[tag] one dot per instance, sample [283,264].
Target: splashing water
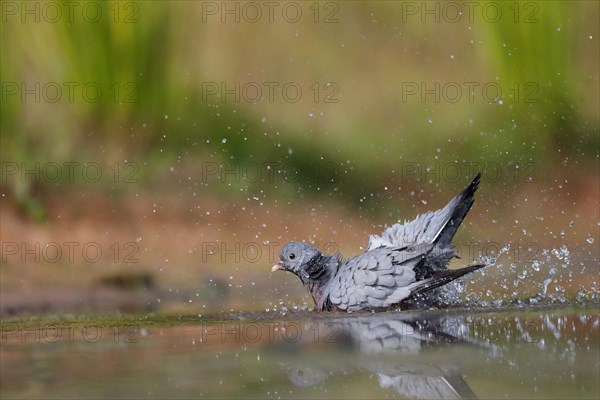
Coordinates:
[552,279]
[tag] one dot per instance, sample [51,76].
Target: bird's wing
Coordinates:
[378,278]
[432,226]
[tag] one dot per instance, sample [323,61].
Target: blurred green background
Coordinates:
[165,91]
[151,61]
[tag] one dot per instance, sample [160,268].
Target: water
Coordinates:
[514,353]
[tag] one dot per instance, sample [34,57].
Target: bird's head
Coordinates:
[300,259]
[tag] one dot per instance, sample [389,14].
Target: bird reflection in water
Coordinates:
[398,348]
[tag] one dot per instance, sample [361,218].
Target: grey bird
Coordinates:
[405,263]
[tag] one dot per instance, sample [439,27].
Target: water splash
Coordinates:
[552,279]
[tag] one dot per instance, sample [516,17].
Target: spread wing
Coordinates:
[378,278]
[431,227]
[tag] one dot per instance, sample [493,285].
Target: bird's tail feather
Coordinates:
[440,278]
[436,227]
[463,201]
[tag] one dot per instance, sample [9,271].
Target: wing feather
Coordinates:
[376,279]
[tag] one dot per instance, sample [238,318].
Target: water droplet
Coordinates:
[523,274]
[545,287]
[557,254]
[590,240]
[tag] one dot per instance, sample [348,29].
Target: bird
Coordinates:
[406,263]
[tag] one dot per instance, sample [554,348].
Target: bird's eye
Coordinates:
[292,256]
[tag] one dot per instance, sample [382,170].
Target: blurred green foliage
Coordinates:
[150,60]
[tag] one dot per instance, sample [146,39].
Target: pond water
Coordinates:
[514,353]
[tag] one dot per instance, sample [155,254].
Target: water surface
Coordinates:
[519,353]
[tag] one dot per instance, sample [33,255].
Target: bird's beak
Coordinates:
[277,266]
